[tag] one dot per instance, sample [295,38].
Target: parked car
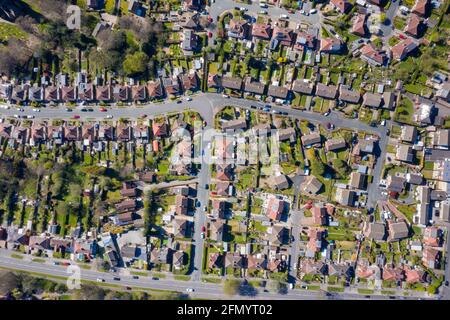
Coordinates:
[135,277]
[202,235]
[189,290]
[116,278]
[76,117]
[100,280]
[155,278]
[203,228]
[103,109]
[109,116]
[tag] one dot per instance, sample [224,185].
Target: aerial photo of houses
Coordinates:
[224,149]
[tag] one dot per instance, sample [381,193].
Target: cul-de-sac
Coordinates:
[220,149]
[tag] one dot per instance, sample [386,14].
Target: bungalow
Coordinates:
[256,262]
[404,153]
[215,260]
[234,260]
[214,81]
[103,93]
[327,92]
[441,139]
[395,184]
[279,182]
[126,206]
[172,85]
[232,83]
[431,257]
[372,100]
[276,235]
[413,275]
[305,40]
[189,82]
[319,215]
[128,189]
[348,95]
[375,231]
[402,49]
[330,45]
[161,256]
[358,181]
[219,208]
[72,133]
[36,93]
[359,25]
[181,205]
[397,230]
[409,134]
[138,93]
[282,36]
[106,132]
[155,89]
[390,273]
[310,266]
[278,92]
[38,134]
[303,86]
[432,236]
[178,259]
[193,5]
[68,93]
[238,28]
[311,185]
[311,139]
[147,177]
[335,144]
[262,31]
[88,133]
[314,244]
[222,188]
[275,208]
[180,227]
[52,93]
[287,134]
[372,56]
[414,27]
[19,93]
[216,230]
[421,7]
[255,87]
[189,42]
[160,129]
[341,6]
[389,100]
[190,20]
[237,124]
[345,197]
[86,92]
[124,132]
[121,93]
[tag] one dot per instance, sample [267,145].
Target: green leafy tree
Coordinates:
[135,64]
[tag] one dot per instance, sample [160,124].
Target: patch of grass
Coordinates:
[9,30]
[335,289]
[182,277]
[39,260]
[365,291]
[212,280]
[16,256]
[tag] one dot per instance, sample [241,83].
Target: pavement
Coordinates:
[220,6]
[200,289]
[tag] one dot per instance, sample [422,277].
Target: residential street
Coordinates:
[201,289]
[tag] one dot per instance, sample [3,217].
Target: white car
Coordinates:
[263,12]
[243,9]
[312,11]
[188,99]
[36,110]
[209,145]
[100,280]
[383,123]
[16,116]
[109,116]
[189,290]
[302,11]
[225,96]
[284,16]
[30,117]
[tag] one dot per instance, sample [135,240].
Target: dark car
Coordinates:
[179,101]
[154,278]
[253,107]
[446,283]
[116,278]
[128,288]
[135,277]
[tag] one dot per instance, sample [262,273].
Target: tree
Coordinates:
[341,167]
[135,64]
[317,167]
[231,287]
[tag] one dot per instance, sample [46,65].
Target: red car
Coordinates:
[209,34]
[103,109]
[401,36]
[203,229]
[76,117]
[291,11]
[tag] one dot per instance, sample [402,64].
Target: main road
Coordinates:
[200,289]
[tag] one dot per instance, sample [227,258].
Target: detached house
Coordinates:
[330,45]
[402,49]
[414,26]
[341,6]
[103,93]
[421,8]
[155,89]
[359,25]
[238,28]
[262,31]
[373,57]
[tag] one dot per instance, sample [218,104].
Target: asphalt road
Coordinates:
[220,6]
